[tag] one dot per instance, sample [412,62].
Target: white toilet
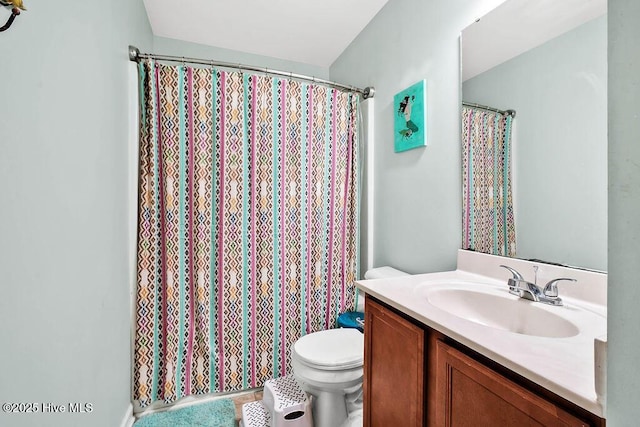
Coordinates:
[328,365]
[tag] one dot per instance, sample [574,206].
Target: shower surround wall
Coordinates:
[166,46]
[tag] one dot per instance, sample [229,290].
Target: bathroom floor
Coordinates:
[245,397]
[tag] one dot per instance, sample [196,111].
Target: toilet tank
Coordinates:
[385,272]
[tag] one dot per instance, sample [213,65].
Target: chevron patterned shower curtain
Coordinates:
[487,203]
[247,229]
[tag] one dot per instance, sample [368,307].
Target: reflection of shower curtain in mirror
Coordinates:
[487,204]
[247,226]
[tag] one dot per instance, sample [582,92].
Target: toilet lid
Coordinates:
[338,348]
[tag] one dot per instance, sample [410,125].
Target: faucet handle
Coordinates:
[514,282]
[516,275]
[551,289]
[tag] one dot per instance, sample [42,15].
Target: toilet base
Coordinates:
[329,409]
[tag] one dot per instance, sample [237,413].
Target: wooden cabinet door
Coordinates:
[394,369]
[470,394]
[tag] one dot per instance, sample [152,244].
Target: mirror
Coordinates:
[547,60]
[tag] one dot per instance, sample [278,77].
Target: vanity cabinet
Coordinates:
[471,394]
[395,370]
[416,376]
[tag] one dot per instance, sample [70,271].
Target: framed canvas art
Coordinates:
[410,121]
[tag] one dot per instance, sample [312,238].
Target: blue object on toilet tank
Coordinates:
[352,319]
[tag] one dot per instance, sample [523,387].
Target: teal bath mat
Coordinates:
[217,413]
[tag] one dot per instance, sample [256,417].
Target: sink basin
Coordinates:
[496,308]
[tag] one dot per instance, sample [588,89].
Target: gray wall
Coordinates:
[166,46]
[624,205]
[559,91]
[64,282]
[417,193]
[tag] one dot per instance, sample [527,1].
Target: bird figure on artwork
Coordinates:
[16,4]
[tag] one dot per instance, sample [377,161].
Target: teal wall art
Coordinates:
[410,121]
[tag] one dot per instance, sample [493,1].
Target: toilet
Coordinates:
[328,366]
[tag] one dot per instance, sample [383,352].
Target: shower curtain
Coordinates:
[247,229]
[487,201]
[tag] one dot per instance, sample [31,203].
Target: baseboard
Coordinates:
[128,419]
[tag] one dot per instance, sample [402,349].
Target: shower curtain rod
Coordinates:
[511,113]
[135,55]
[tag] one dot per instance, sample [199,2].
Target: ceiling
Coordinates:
[313,32]
[520,25]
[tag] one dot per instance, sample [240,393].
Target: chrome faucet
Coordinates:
[531,291]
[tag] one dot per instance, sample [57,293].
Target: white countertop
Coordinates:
[564,366]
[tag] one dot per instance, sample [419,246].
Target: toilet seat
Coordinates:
[333,349]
